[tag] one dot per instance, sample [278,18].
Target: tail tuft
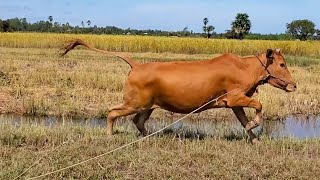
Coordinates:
[70,45]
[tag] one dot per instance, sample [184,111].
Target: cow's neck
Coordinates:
[256,70]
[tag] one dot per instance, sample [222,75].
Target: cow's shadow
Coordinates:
[198,135]
[193,134]
[184,134]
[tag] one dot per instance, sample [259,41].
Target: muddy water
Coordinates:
[293,126]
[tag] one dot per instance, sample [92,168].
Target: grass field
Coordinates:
[163,156]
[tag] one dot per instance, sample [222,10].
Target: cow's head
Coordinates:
[280,76]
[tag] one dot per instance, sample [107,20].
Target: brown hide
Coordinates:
[183,86]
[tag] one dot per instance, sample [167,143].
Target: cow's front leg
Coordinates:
[241,100]
[241,115]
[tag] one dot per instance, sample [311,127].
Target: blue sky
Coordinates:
[266,17]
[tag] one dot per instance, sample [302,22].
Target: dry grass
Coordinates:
[84,84]
[160,44]
[164,156]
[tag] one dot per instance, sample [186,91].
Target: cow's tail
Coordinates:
[71,45]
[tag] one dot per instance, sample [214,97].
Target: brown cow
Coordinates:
[182,87]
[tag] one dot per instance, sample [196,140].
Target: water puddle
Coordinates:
[294,126]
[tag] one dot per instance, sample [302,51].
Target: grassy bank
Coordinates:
[84,84]
[160,44]
[164,156]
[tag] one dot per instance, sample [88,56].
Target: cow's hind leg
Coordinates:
[140,119]
[241,100]
[241,115]
[118,111]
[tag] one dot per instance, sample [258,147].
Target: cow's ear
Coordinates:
[269,54]
[269,57]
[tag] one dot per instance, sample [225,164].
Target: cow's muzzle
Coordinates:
[291,87]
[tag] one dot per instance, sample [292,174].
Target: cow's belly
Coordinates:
[187,101]
[194,109]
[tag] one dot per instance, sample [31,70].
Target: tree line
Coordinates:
[22,25]
[240,29]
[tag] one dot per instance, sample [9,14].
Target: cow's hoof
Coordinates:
[252,124]
[142,134]
[109,134]
[255,141]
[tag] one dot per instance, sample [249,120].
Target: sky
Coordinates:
[266,16]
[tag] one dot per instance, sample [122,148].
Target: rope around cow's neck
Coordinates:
[133,142]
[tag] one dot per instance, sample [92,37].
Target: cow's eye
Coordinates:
[283,65]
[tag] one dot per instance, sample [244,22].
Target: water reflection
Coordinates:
[298,127]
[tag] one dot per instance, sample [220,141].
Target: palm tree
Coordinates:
[89,23]
[205,21]
[49,24]
[208,29]
[50,19]
[241,26]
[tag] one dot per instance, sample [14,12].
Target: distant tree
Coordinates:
[185,29]
[89,23]
[317,37]
[56,24]
[5,26]
[15,24]
[301,29]
[185,32]
[208,29]
[1,26]
[50,18]
[240,26]
[49,23]
[82,24]
[24,23]
[230,34]
[205,21]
